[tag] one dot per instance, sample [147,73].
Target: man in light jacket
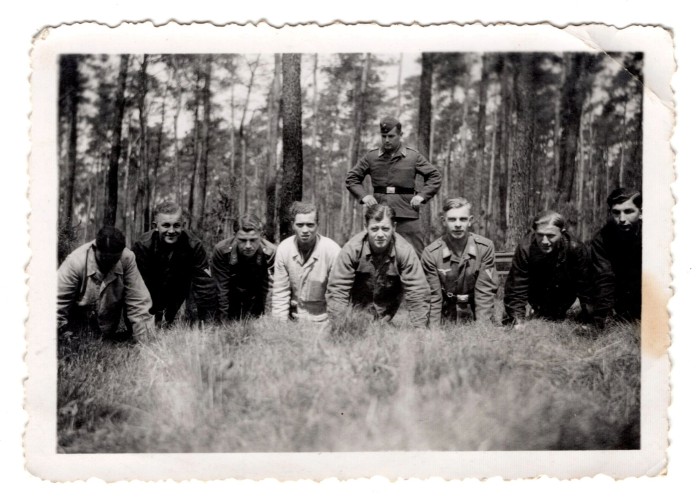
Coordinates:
[376,270]
[97,282]
[302,265]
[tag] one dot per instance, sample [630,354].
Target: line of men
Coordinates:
[310,277]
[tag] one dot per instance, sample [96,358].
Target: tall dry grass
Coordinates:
[266,386]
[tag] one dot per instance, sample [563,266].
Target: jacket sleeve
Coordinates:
[340,283]
[433,278]
[203,284]
[141,254]
[416,289]
[220,272]
[281,291]
[270,280]
[431,175]
[486,285]
[584,279]
[516,288]
[70,276]
[137,299]
[355,177]
[604,279]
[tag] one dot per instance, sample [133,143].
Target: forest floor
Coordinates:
[266,386]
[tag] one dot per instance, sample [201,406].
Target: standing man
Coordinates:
[550,269]
[375,270]
[393,168]
[460,268]
[302,265]
[242,266]
[96,283]
[171,259]
[616,252]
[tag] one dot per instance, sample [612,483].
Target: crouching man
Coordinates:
[96,283]
[171,260]
[550,269]
[616,252]
[302,265]
[376,270]
[242,266]
[460,269]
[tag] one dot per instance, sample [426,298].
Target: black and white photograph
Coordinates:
[360,251]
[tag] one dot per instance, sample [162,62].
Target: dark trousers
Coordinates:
[412,230]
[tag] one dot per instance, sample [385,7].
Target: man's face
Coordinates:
[457,222]
[248,242]
[547,236]
[169,226]
[380,234]
[305,227]
[106,260]
[391,140]
[626,215]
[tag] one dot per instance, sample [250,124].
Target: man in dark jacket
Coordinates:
[172,261]
[243,266]
[393,169]
[616,253]
[550,269]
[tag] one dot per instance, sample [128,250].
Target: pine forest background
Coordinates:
[224,134]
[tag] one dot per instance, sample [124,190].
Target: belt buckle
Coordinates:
[391,190]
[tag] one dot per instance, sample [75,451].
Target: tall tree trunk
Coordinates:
[152,195]
[243,197]
[359,118]
[69,94]
[481,137]
[204,166]
[464,138]
[126,221]
[623,140]
[572,98]
[425,112]
[272,170]
[176,139]
[292,151]
[505,146]
[492,170]
[314,130]
[399,108]
[523,144]
[196,152]
[142,208]
[110,214]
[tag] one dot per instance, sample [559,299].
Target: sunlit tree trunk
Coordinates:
[273,176]
[425,112]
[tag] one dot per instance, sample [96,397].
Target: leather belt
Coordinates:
[394,190]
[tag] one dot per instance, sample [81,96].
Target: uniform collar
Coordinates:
[469,249]
[92,268]
[401,151]
[258,256]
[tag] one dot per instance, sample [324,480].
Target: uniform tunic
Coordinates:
[378,284]
[170,269]
[87,296]
[394,170]
[461,286]
[243,284]
[617,261]
[299,288]
[549,282]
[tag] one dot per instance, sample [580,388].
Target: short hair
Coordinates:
[550,217]
[302,208]
[622,194]
[379,212]
[247,223]
[166,208]
[110,240]
[452,203]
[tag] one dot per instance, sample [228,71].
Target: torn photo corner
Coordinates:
[227,121]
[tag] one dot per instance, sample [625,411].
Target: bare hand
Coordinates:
[369,200]
[416,201]
[519,327]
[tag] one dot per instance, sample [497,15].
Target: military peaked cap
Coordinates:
[386,124]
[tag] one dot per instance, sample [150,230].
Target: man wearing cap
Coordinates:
[171,261]
[243,266]
[393,168]
[96,282]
